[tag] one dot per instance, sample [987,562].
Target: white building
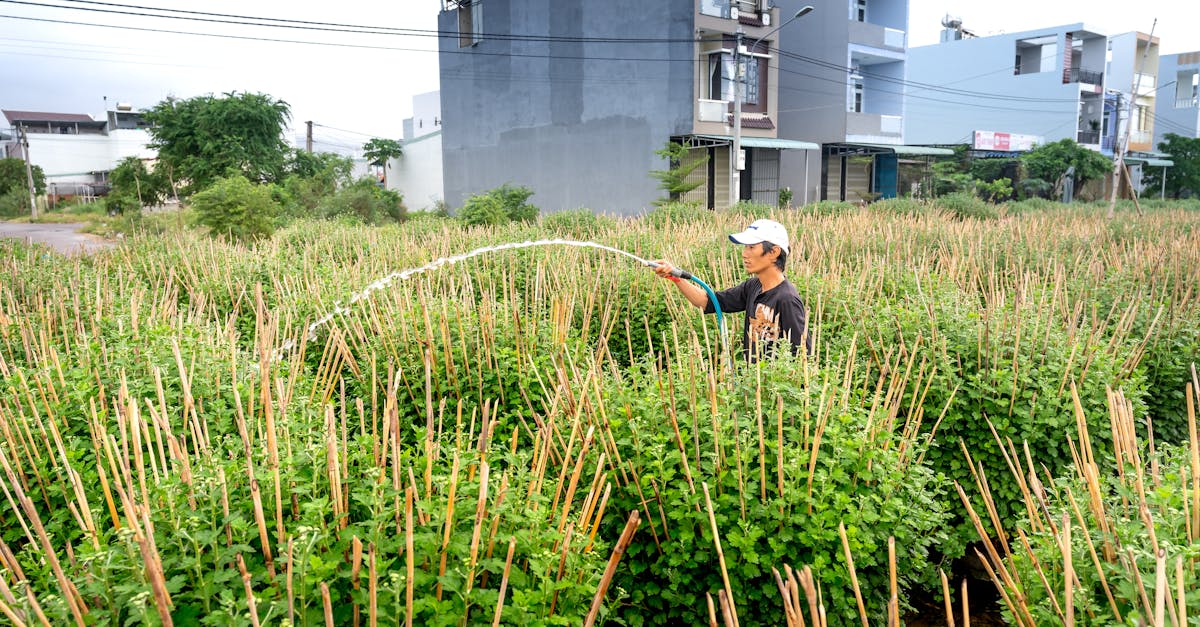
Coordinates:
[417,174]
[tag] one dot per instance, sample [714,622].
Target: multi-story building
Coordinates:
[572,98]
[1178,108]
[1060,82]
[418,172]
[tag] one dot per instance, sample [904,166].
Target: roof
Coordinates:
[1150,161]
[767,142]
[43,116]
[911,150]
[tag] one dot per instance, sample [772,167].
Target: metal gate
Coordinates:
[764,176]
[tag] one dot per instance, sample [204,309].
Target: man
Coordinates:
[774,311]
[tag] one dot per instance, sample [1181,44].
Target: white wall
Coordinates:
[417,174]
[70,158]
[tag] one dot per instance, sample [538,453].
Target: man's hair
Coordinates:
[781,260]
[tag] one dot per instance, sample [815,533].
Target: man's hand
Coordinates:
[692,292]
[663,269]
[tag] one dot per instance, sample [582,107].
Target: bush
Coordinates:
[901,207]
[365,202]
[752,210]
[966,205]
[859,479]
[675,214]
[1030,205]
[14,203]
[578,223]
[132,180]
[829,207]
[501,205]
[13,176]
[236,209]
[1036,188]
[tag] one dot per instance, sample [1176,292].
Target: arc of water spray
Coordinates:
[340,309]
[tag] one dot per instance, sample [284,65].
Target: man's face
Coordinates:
[755,260]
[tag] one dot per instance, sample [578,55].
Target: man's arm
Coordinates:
[692,292]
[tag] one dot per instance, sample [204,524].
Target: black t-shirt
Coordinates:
[774,315]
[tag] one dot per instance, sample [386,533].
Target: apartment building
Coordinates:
[1177,109]
[572,98]
[1068,81]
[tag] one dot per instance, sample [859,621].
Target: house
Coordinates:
[1178,107]
[418,172]
[75,151]
[573,98]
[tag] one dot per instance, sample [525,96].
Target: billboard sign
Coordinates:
[992,140]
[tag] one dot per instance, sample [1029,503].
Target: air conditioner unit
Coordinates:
[766,18]
[733,13]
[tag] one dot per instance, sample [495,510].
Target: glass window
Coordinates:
[720,77]
[716,8]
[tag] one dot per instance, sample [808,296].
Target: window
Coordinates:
[856,94]
[721,79]
[860,10]
[470,23]
[715,8]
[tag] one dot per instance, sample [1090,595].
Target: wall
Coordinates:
[417,174]
[1045,106]
[71,158]
[579,128]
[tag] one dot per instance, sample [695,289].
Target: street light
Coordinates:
[735,167]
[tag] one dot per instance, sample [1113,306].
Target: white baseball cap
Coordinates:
[763,231]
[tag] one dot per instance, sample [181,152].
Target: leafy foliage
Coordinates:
[236,209]
[207,137]
[379,151]
[674,180]
[145,187]
[498,206]
[578,223]
[1183,178]
[1050,162]
[365,202]
[13,177]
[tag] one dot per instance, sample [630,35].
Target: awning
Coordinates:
[1155,163]
[912,150]
[766,142]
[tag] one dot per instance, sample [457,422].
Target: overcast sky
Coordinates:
[353,93]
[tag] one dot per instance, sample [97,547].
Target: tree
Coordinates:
[1183,179]
[674,180]
[12,176]
[131,179]
[236,209]
[205,138]
[1050,162]
[379,151]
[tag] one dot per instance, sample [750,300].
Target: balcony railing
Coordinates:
[1088,137]
[873,124]
[876,36]
[713,110]
[1091,77]
[1145,84]
[1187,103]
[1140,137]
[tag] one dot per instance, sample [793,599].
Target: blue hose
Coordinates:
[712,297]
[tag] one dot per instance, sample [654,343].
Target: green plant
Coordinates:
[785,197]
[681,161]
[132,180]
[994,191]
[676,214]
[13,176]
[965,205]
[236,209]
[365,202]
[501,205]
[1050,162]
[578,223]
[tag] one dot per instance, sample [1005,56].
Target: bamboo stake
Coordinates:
[946,598]
[712,520]
[858,598]
[1068,572]
[631,525]
[355,570]
[250,603]
[327,603]
[512,545]
[372,588]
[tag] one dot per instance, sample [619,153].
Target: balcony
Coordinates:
[1140,137]
[873,124]
[1145,84]
[1089,77]
[1090,138]
[1187,103]
[712,110]
[876,36]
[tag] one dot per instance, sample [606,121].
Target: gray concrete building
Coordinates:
[1178,107]
[572,98]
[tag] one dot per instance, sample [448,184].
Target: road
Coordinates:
[63,238]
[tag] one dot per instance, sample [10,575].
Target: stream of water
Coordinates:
[340,308]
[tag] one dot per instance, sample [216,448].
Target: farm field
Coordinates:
[551,435]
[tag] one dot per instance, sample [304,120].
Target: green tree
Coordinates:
[674,180]
[310,179]
[133,180]
[1183,179]
[14,187]
[379,151]
[207,137]
[1050,162]
[236,209]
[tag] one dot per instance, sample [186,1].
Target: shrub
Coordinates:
[901,207]
[785,197]
[1036,188]
[995,190]
[14,203]
[1031,205]
[501,205]
[236,209]
[578,223]
[675,214]
[829,207]
[131,179]
[965,205]
[752,210]
[365,202]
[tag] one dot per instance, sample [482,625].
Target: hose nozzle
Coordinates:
[678,273]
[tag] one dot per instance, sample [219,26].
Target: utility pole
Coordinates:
[735,162]
[308,137]
[1119,168]
[28,172]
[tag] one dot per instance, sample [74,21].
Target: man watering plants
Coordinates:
[774,311]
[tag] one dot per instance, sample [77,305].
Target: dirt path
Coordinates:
[64,238]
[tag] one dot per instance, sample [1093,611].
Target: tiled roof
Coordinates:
[754,122]
[42,116]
